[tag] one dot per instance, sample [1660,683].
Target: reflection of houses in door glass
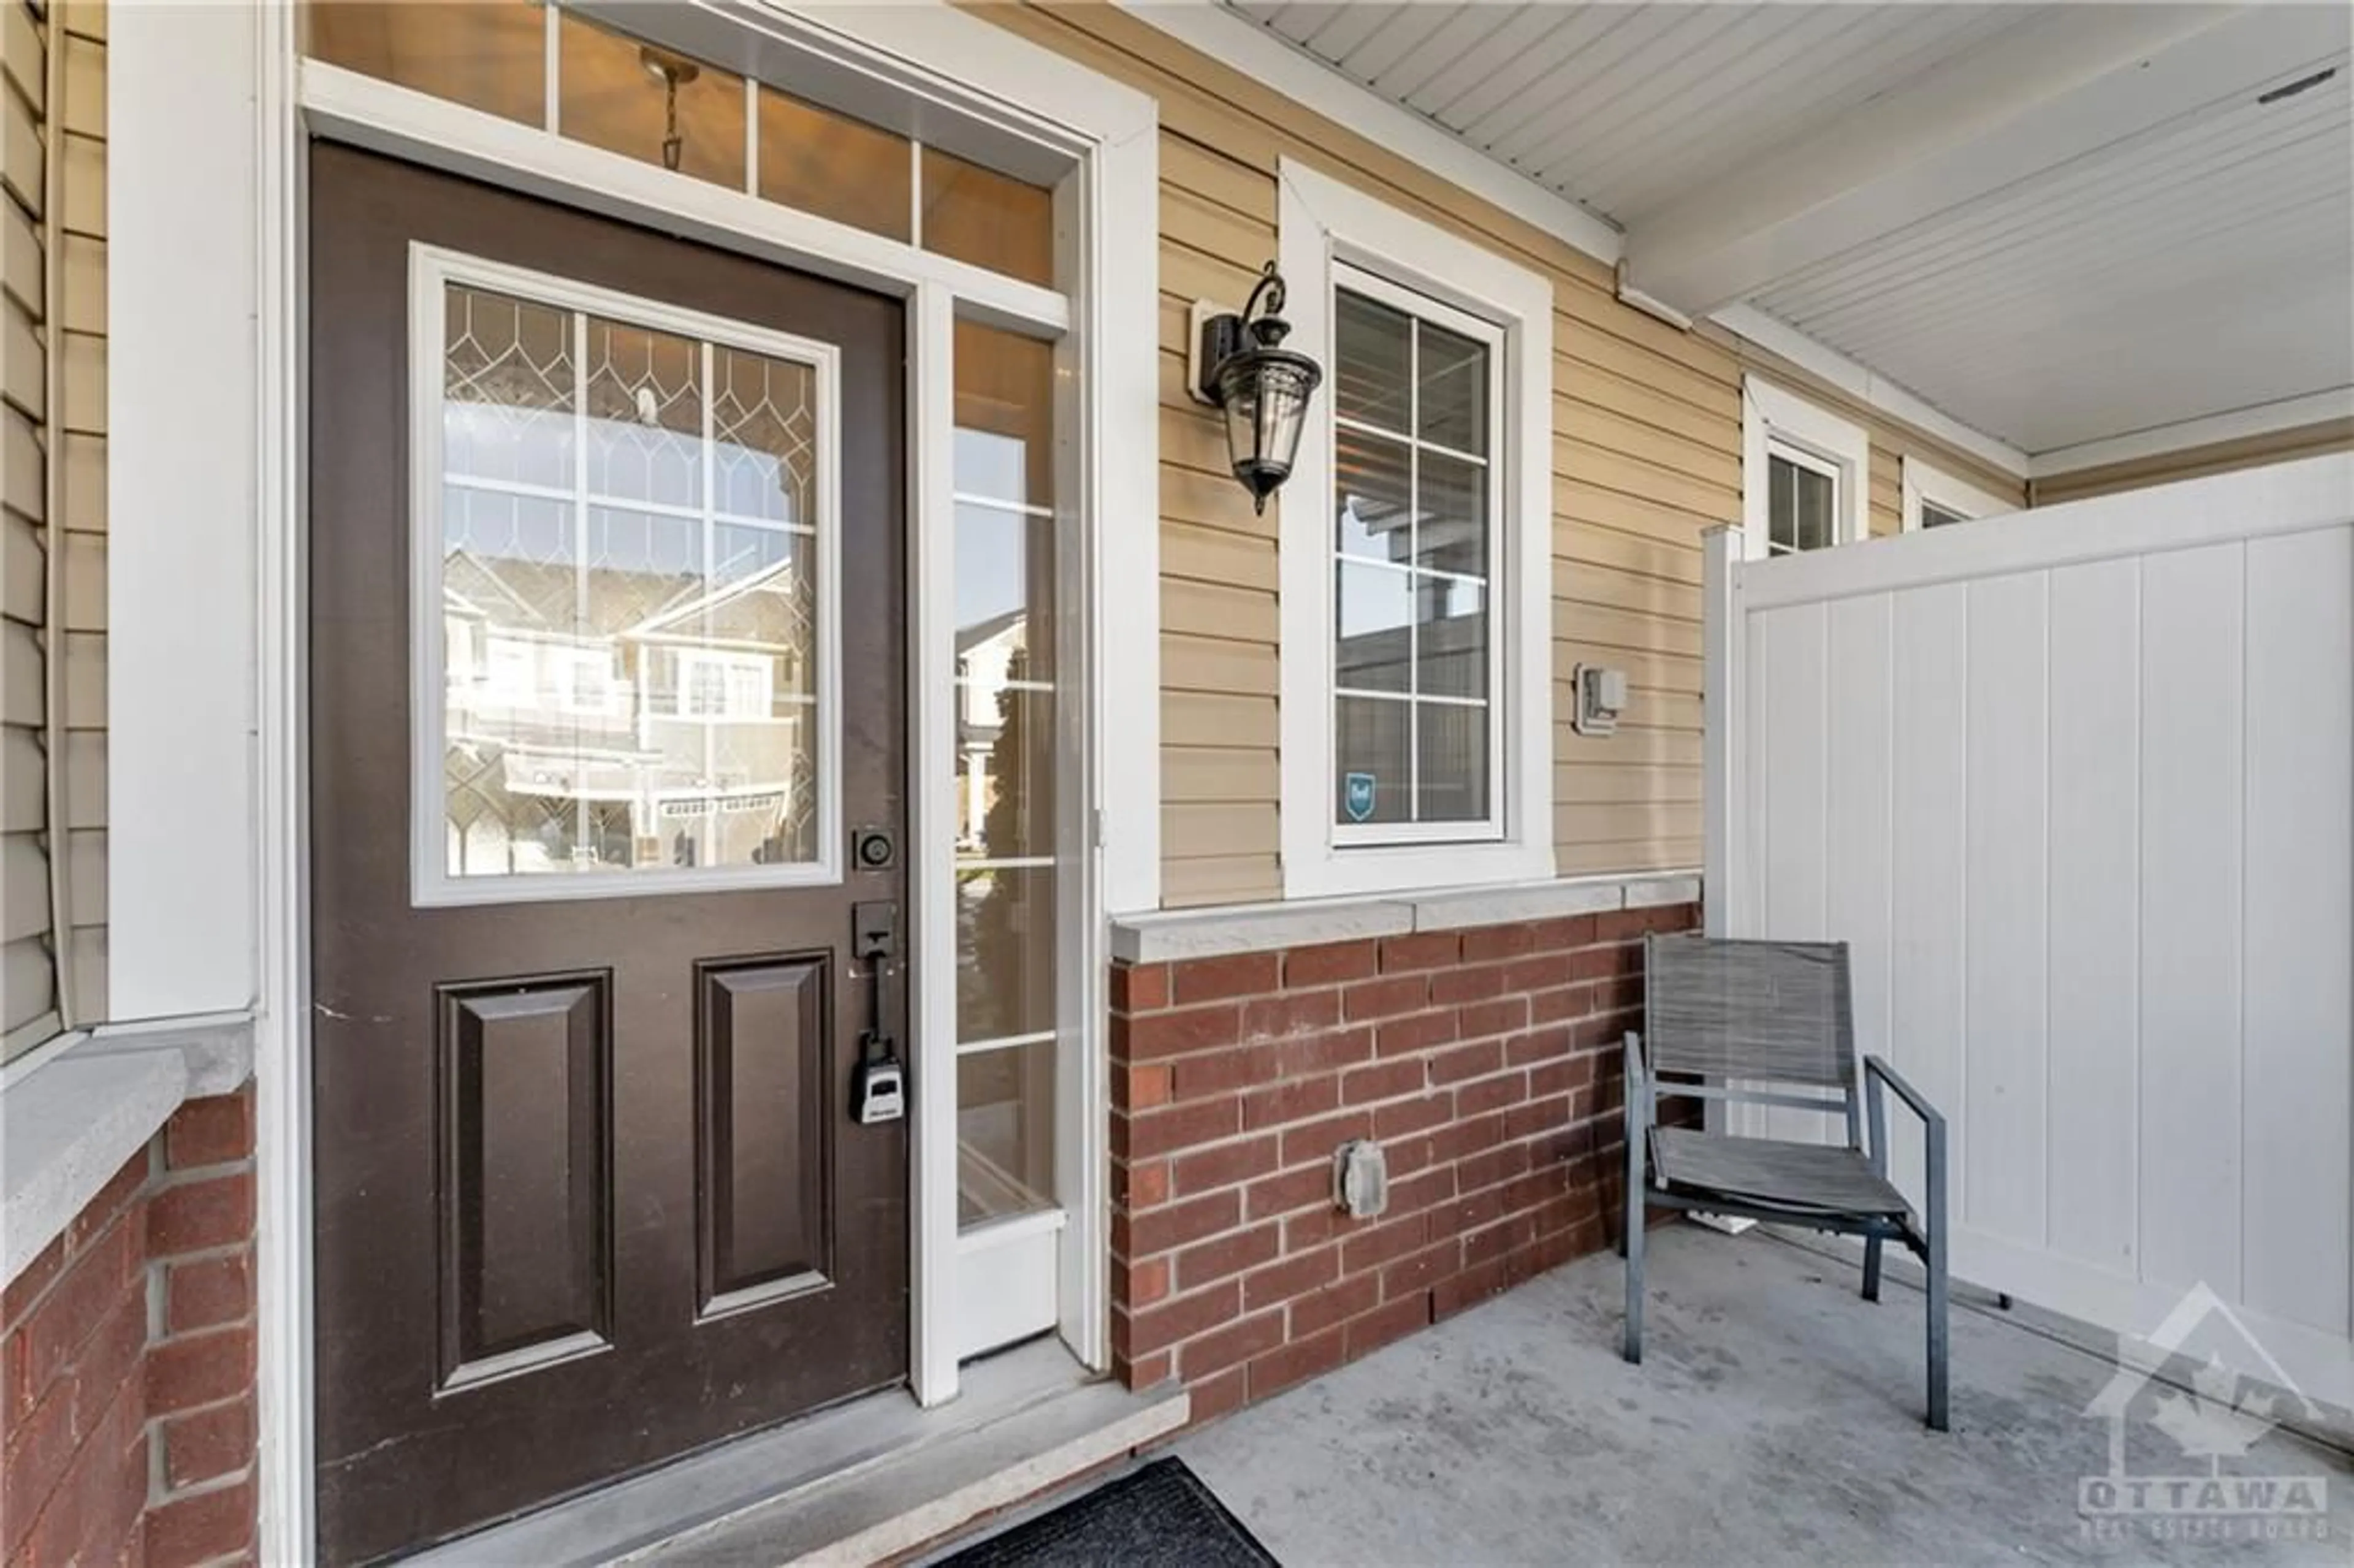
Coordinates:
[628,596]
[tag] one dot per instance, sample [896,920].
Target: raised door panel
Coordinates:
[526,1199]
[762,1128]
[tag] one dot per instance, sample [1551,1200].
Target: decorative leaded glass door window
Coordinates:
[624,622]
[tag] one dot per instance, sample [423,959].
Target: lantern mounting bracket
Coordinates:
[1216,334]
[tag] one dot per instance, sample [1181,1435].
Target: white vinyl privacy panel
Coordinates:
[2077,788]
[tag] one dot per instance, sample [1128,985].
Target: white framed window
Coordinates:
[1934,498]
[1417,556]
[1805,473]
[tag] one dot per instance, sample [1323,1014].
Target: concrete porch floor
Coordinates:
[1777,1418]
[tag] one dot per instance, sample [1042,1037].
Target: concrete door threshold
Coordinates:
[867,1482]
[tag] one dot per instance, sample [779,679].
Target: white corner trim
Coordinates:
[1267,928]
[1866,385]
[1122,293]
[1322,221]
[183,406]
[1273,61]
[1770,415]
[1925,481]
[2260,420]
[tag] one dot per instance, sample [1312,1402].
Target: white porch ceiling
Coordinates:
[2058,224]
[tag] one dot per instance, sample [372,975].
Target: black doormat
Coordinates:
[1160,1516]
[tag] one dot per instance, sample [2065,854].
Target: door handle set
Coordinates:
[880,1091]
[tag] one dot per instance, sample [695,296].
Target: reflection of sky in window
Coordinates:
[992,547]
[991,465]
[1356,538]
[1372,600]
[507,527]
[629,461]
[535,448]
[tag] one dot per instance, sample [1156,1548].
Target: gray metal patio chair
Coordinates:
[1772,1023]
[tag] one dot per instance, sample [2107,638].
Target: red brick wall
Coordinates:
[126,1363]
[1486,1062]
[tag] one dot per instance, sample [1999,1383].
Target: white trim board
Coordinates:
[185,216]
[2261,419]
[1322,223]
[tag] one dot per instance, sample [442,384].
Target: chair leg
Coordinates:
[1939,1335]
[1633,1348]
[1939,1325]
[1872,1268]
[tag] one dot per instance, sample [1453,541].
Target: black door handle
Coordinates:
[882,1082]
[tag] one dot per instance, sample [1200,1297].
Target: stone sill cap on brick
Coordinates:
[1263,927]
[67,1126]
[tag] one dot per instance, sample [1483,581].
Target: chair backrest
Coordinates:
[1774,1011]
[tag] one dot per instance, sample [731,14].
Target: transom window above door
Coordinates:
[1416,498]
[624,530]
[550,67]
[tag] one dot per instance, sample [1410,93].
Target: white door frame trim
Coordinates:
[251,508]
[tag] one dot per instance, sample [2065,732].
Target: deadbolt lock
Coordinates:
[873,849]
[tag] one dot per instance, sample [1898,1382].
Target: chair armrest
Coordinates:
[1877,1071]
[1637,1077]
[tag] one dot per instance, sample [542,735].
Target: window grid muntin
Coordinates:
[1418,308]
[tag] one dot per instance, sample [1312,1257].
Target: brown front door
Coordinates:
[607,551]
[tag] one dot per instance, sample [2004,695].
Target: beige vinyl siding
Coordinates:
[82,443]
[1646,456]
[2192,463]
[61,444]
[27,972]
[1218,622]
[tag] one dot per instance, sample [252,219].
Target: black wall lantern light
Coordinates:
[1241,365]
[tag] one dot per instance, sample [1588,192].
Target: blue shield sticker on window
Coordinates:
[1357,795]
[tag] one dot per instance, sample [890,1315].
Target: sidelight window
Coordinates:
[1007,864]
